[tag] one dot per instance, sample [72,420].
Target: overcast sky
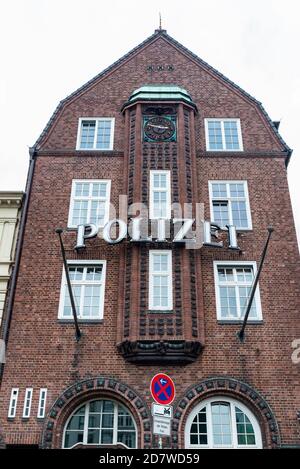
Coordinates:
[49,48]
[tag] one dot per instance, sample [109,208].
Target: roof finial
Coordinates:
[160,21]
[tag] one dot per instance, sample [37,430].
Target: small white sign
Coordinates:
[165,411]
[161,426]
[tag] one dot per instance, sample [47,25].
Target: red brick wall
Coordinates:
[43,353]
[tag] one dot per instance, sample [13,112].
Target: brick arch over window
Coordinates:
[93,388]
[226,387]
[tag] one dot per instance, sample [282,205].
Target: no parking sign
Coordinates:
[162,389]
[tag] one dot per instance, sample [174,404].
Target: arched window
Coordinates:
[100,422]
[222,423]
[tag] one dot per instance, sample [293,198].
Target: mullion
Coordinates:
[95,136]
[223,135]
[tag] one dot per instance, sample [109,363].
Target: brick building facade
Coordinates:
[161,126]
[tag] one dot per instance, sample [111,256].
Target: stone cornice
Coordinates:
[85,153]
[242,154]
[11,199]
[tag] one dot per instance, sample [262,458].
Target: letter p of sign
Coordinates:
[89,230]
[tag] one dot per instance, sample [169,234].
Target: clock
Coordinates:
[160,128]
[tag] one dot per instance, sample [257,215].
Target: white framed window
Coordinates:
[223,135]
[160,194]
[233,282]
[229,204]
[42,403]
[89,202]
[101,422]
[220,423]
[13,403]
[27,403]
[160,280]
[95,133]
[88,285]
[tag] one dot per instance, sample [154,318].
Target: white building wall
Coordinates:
[10,208]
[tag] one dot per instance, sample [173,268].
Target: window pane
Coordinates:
[82,189]
[231,135]
[215,135]
[107,420]
[199,429]
[96,406]
[245,430]
[125,421]
[239,214]
[71,438]
[98,212]
[107,436]
[228,302]
[94,273]
[87,134]
[244,293]
[99,189]
[221,424]
[221,215]
[76,423]
[103,135]
[93,437]
[219,190]
[76,273]
[225,274]
[237,190]
[94,421]
[127,438]
[80,212]
[108,406]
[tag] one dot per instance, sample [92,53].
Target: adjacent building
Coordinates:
[162,128]
[10,210]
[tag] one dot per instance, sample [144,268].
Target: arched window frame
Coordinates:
[86,418]
[210,445]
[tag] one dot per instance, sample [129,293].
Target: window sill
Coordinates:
[239,230]
[256,322]
[160,311]
[75,228]
[224,150]
[95,150]
[81,321]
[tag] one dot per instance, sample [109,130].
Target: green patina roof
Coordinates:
[160,93]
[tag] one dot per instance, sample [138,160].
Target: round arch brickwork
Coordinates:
[226,387]
[91,388]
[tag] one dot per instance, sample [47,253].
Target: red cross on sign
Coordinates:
[162,389]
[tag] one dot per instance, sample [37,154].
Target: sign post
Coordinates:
[162,389]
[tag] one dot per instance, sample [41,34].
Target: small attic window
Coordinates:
[223,135]
[95,133]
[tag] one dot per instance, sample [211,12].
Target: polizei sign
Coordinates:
[194,234]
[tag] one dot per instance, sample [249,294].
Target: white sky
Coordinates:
[49,48]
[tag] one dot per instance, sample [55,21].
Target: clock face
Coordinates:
[159,129]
